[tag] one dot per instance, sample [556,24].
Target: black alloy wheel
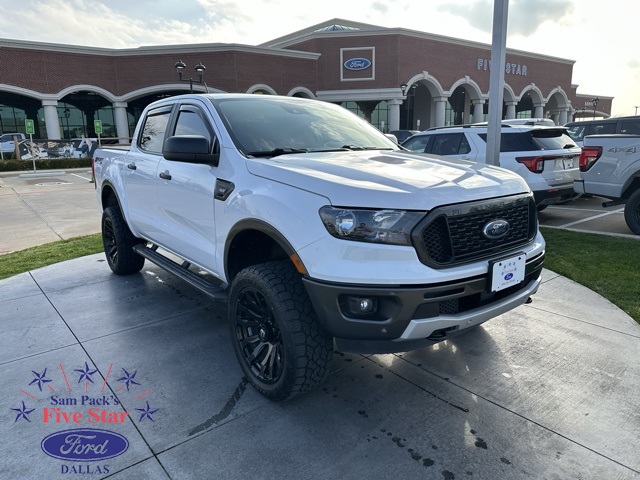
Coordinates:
[259,336]
[278,341]
[118,243]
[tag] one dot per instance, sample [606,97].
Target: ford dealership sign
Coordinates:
[357,64]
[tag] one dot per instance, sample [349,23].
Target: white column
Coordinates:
[51,121]
[122,122]
[562,119]
[466,115]
[440,111]
[538,111]
[511,110]
[394,114]
[478,111]
[555,116]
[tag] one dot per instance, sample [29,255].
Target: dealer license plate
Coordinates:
[507,272]
[567,163]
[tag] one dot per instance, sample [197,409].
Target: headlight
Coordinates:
[377,226]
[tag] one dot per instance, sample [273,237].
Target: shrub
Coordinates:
[43,164]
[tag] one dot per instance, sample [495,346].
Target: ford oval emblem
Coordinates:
[84,445]
[357,64]
[496,229]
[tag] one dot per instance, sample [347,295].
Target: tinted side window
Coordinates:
[417,144]
[576,132]
[446,144]
[514,142]
[464,145]
[152,136]
[630,127]
[600,128]
[191,122]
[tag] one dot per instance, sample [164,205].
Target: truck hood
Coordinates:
[381,179]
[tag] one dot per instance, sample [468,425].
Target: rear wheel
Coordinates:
[118,242]
[277,339]
[632,212]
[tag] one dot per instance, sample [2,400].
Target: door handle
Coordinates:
[132,166]
[165,175]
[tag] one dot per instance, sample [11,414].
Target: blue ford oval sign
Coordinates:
[84,445]
[496,229]
[357,64]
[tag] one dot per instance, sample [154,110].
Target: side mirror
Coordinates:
[189,149]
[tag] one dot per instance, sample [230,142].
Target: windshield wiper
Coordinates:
[277,151]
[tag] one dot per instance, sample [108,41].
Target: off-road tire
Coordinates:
[118,242]
[278,341]
[632,212]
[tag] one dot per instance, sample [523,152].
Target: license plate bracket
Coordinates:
[507,272]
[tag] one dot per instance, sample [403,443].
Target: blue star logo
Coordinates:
[40,378]
[85,374]
[146,412]
[129,378]
[23,412]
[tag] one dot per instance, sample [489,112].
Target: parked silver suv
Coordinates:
[546,157]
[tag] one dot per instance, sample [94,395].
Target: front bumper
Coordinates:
[409,317]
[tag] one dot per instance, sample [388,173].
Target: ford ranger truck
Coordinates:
[610,168]
[316,229]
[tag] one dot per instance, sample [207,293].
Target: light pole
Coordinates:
[200,68]
[408,94]
[636,107]
[594,102]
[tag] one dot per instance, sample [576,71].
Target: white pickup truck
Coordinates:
[610,168]
[315,228]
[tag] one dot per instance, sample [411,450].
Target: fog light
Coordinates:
[362,305]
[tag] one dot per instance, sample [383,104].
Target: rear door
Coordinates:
[140,167]
[453,145]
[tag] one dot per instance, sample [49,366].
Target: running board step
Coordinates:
[192,278]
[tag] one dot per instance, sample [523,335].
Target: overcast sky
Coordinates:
[601,36]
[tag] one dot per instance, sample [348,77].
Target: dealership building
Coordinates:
[394,77]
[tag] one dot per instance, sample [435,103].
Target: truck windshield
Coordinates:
[263,126]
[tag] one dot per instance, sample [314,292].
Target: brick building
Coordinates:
[396,78]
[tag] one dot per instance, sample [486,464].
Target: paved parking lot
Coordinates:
[550,390]
[46,207]
[586,214]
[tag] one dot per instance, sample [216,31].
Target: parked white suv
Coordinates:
[546,157]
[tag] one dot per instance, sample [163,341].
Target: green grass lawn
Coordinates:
[48,254]
[608,265]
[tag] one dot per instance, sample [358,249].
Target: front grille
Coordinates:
[453,234]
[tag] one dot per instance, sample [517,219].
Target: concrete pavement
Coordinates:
[550,390]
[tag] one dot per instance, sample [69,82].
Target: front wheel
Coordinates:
[632,212]
[118,242]
[276,336]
